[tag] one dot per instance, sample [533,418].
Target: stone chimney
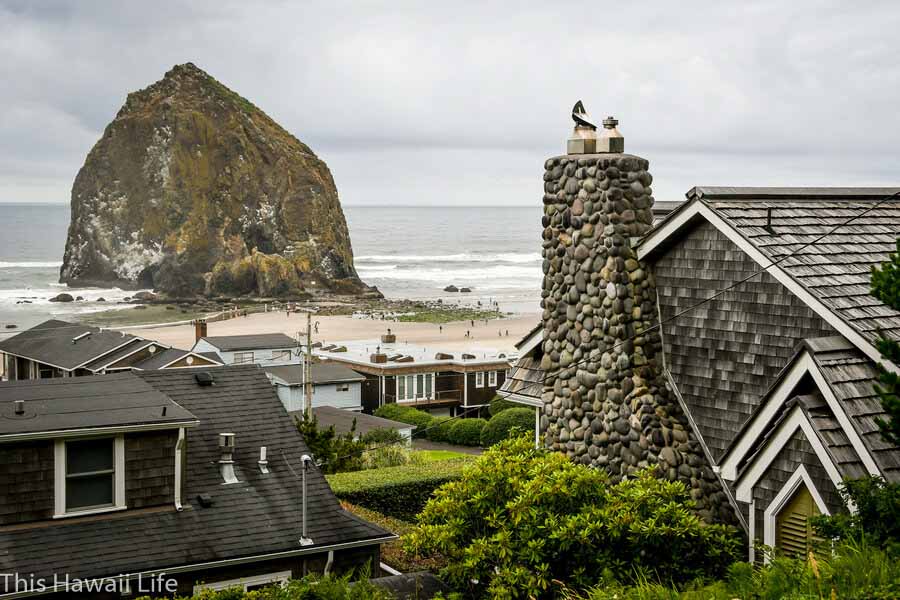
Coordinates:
[605,398]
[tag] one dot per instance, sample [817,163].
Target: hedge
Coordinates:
[498,405]
[501,426]
[466,432]
[405,414]
[439,429]
[399,492]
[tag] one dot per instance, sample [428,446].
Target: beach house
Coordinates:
[196,479]
[333,384]
[56,348]
[259,348]
[441,383]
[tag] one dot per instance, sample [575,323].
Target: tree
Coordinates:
[333,452]
[886,287]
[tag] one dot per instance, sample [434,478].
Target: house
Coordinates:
[438,382]
[333,384]
[345,421]
[56,348]
[193,479]
[776,375]
[259,348]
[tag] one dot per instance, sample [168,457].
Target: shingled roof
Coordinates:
[65,345]
[256,341]
[259,515]
[328,372]
[832,275]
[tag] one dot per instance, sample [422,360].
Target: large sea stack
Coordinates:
[193,190]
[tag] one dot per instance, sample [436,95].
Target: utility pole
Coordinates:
[307,363]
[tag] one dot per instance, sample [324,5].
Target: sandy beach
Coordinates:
[450,336]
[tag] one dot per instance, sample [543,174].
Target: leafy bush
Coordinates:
[439,429]
[466,432]
[312,587]
[399,492]
[333,452]
[521,518]
[405,414]
[498,405]
[877,516]
[510,422]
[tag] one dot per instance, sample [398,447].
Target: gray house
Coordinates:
[259,348]
[186,475]
[775,377]
[332,385]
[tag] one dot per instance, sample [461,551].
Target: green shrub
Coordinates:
[877,516]
[498,405]
[405,414]
[521,518]
[506,424]
[333,452]
[399,492]
[311,587]
[466,432]
[439,429]
[381,436]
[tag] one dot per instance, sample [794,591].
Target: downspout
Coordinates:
[179,458]
[537,428]
[329,563]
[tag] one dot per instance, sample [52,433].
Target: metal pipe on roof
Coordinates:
[304,538]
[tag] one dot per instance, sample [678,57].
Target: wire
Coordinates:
[730,287]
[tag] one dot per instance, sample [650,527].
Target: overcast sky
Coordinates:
[460,103]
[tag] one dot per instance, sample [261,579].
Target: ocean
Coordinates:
[408,252]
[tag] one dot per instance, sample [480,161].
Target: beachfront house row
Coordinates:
[191,476]
[333,384]
[440,383]
[264,349]
[56,348]
[776,376]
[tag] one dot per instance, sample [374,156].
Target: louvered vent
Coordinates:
[794,534]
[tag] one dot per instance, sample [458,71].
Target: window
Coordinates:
[343,387]
[412,387]
[492,379]
[45,371]
[90,475]
[278,355]
[479,379]
[247,584]
[243,357]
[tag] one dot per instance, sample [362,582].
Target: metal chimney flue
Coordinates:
[226,462]
[304,537]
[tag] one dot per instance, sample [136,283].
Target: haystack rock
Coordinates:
[193,190]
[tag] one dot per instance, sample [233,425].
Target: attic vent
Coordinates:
[204,379]
[226,462]
[405,359]
[340,349]
[468,356]
[80,336]
[394,357]
[388,338]
[443,356]
[204,500]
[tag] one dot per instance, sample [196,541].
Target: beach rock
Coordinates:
[10,326]
[23,301]
[64,297]
[79,298]
[140,307]
[451,288]
[193,190]
[100,299]
[465,290]
[145,296]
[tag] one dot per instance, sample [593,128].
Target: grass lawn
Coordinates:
[433,455]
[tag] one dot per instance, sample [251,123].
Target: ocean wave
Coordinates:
[501,257]
[29,264]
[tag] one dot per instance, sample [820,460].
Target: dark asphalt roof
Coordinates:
[51,343]
[257,341]
[165,357]
[116,355]
[261,514]
[320,373]
[85,402]
[342,420]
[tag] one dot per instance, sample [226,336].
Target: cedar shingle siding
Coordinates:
[725,354]
[150,469]
[26,482]
[796,452]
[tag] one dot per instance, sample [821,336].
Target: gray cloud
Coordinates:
[432,103]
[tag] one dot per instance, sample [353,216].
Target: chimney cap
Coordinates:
[610,122]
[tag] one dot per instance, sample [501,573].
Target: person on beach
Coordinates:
[440,329]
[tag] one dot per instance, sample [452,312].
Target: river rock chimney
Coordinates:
[605,398]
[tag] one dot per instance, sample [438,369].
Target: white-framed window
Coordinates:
[343,387]
[241,358]
[492,378]
[279,355]
[89,475]
[246,584]
[479,379]
[412,387]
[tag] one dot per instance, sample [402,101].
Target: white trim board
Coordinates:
[96,431]
[697,209]
[802,365]
[787,492]
[132,353]
[119,347]
[756,469]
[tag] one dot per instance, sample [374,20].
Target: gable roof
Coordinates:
[258,516]
[109,359]
[85,404]
[256,341]
[342,420]
[54,343]
[831,276]
[326,372]
[167,357]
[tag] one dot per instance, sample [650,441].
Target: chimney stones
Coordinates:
[606,403]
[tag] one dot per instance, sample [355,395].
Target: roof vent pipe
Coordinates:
[19,407]
[226,462]
[304,538]
[263,463]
